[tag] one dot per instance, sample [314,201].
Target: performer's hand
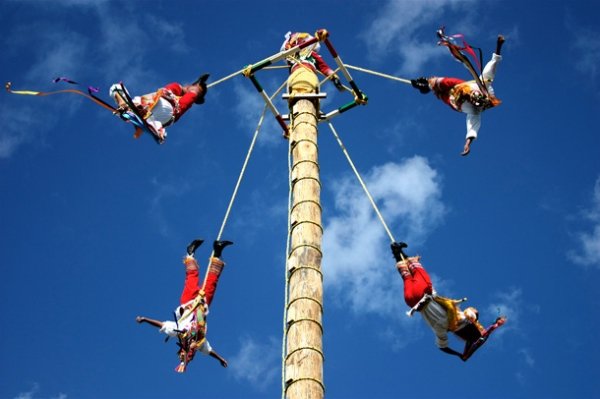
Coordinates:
[121,109]
[223,362]
[467,148]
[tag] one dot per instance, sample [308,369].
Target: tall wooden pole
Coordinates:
[304,359]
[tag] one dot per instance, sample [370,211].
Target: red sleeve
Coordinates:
[321,64]
[185,100]
[175,88]
[185,103]
[443,85]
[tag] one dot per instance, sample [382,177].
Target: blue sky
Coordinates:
[94,223]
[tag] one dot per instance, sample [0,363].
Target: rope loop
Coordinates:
[296,142]
[292,322]
[308,298]
[307,202]
[289,382]
[307,161]
[313,348]
[294,225]
[295,269]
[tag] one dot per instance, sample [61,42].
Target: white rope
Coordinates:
[239,181]
[274,58]
[383,75]
[242,172]
[287,256]
[276,67]
[362,183]
[208,86]
[237,186]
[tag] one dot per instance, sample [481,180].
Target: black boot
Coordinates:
[397,251]
[218,247]
[499,44]
[421,84]
[202,79]
[194,246]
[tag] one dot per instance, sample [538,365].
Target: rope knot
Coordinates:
[361,99]
[247,70]
[322,34]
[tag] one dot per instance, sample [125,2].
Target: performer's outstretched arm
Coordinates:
[214,354]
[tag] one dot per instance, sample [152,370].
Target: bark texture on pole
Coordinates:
[304,360]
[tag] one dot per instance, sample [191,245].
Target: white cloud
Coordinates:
[408,196]
[257,363]
[29,394]
[19,129]
[527,357]
[121,61]
[79,3]
[508,303]
[589,252]
[397,27]
[518,311]
[170,32]
[250,105]
[590,248]
[34,391]
[399,338]
[61,52]
[586,48]
[587,45]
[58,53]
[164,191]
[521,378]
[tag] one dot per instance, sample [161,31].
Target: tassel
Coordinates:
[180,368]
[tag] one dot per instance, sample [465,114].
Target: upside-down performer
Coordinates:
[443,315]
[163,107]
[190,326]
[470,97]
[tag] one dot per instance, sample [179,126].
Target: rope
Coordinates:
[276,67]
[307,298]
[240,177]
[308,221]
[295,269]
[305,379]
[237,186]
[208,86]
[362,183]
[383,75]
[307,161]
[296,142]
[308,201]
[294,321]
[313,348]
[287,281]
